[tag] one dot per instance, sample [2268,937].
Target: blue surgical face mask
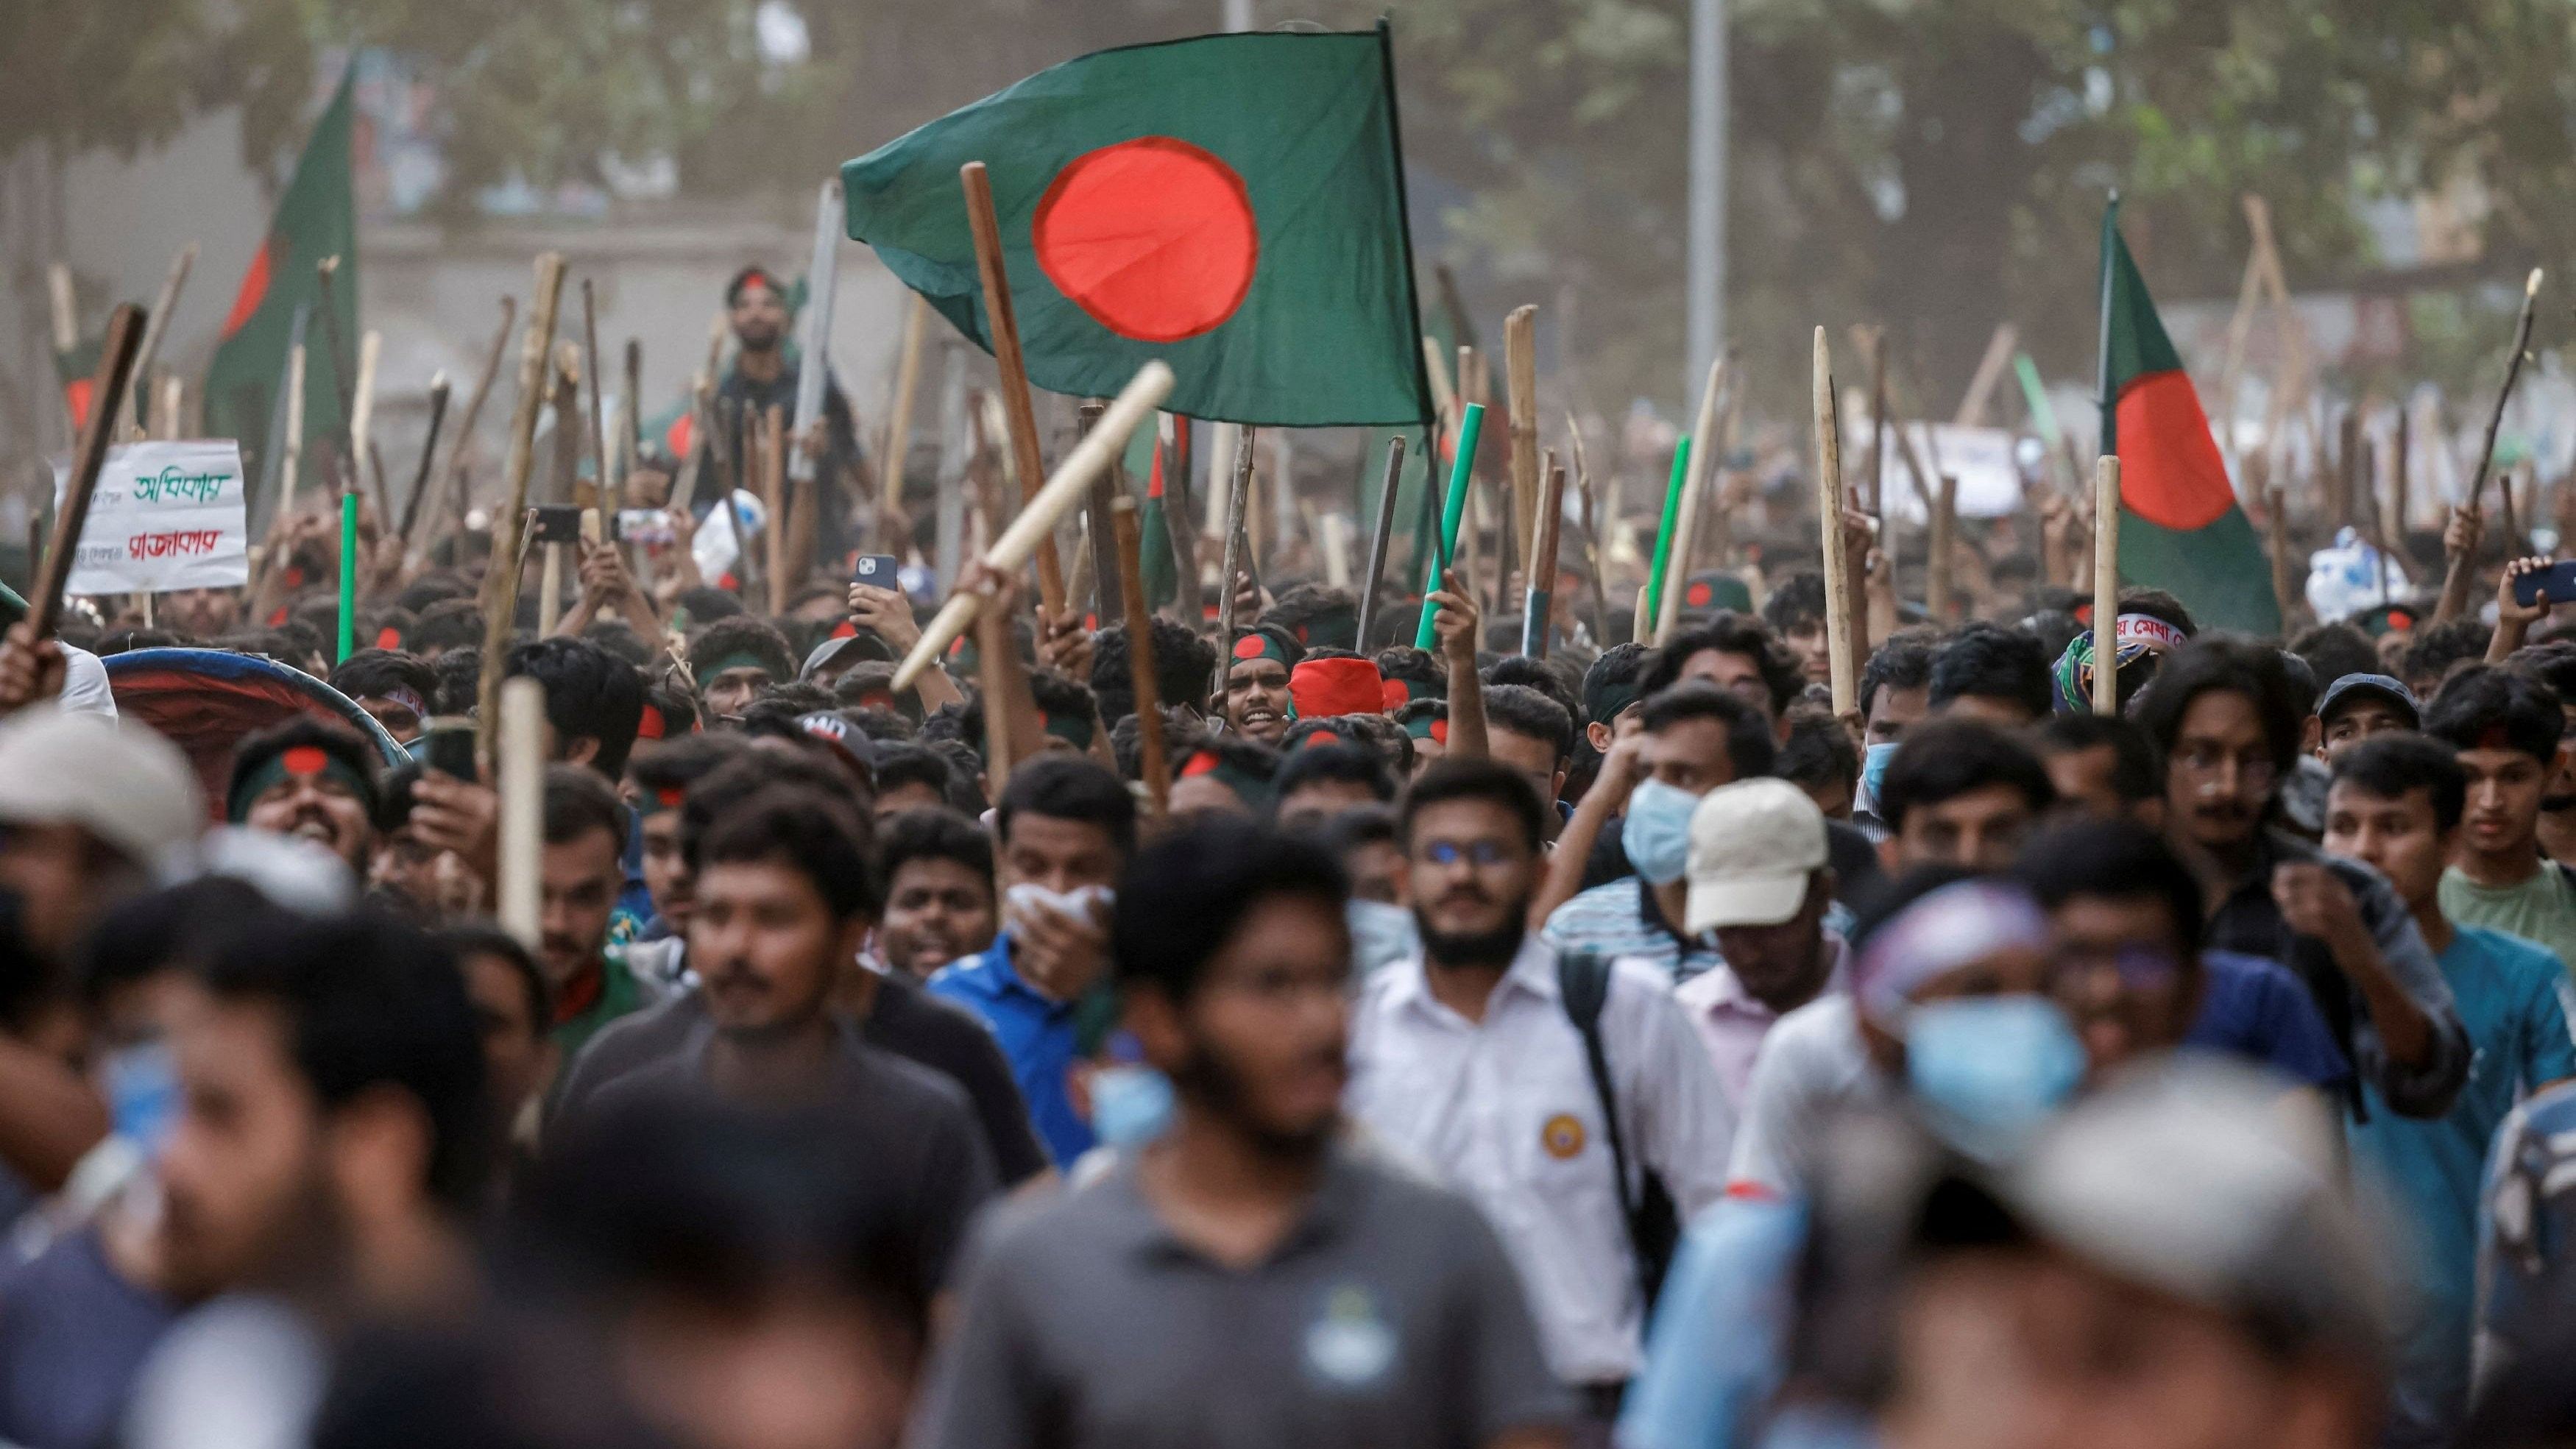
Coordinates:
[142,1093]
[1990,1069]
[1130,1104]
[1873,769]
[1656,835]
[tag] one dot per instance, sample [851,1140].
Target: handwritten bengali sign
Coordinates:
[165,516]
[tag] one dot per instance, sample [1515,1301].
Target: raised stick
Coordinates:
[1989,374]
[1542,564]
[1002,320]
[454,486]
[773,476]
[1667,525]
[1071,480]
[590,371]
[1377,542]
[521,777]
[898,433]
[2455,580]
[362,409]
[1444,544]
[1140,653]
[1829,509]
[2106,584]
[1945,516]
[630,439]
[107,399]
[1520,380]
[501,582]
[1703,460]
[1107,602]
[162,306]
[1238,493]
[428,453]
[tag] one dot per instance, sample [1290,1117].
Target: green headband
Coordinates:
[295,762]
[1073,729]
[739,659]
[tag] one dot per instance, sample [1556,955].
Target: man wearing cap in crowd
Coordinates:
[2358,706]
[1759,880]
[1258,703]
[311,781]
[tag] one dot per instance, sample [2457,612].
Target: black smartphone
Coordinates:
[878,571]
[554,523]
[450,741]
[2556,583]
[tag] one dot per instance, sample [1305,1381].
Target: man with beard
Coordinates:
[2222,711]
[1472,1057]
[578,880]
[309,780]
[1257,704]
[764,376]
[1339,1302]
[201,614]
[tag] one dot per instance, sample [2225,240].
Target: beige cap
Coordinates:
[122,783]
[1753,844]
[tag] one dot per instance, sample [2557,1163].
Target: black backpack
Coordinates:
[1654,1223]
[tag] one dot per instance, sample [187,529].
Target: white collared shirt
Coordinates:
[1505,1111]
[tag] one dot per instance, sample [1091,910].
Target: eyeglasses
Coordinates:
[1479,852]
[2206,761]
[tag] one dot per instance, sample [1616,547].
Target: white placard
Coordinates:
[165,516]
[1980,458]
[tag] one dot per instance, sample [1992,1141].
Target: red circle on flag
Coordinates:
[1153,238]
[2170,471]
[1250,646]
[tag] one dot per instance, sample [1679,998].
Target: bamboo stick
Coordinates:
[1151,763]
[1386,492]
[454,485]
[107,398]
[1936,583]
[898,433]
[521,778]
[1520,358]
[438,391]
[1002,319]
[2106,584]
[773,477]
[2455,580]
[162,306]
[1238,494]
[509,526]
[1542,571]
[1829,509]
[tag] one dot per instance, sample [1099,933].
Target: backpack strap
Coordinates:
[1583,980]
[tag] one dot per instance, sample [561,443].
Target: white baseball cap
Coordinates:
[121,782]
[1753,844]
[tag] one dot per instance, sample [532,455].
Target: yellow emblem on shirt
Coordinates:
[1562,1136]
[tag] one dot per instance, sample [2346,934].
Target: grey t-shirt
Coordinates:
[1388,1315]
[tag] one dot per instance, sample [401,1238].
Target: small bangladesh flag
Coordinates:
[1231,204]
[316,218]
[2180,527]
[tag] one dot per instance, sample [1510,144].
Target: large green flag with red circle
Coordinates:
[1232,204]
[2181,529]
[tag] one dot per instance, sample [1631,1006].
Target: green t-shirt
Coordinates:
[2540,910]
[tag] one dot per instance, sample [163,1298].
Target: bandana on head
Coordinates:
[1936,935]
[1609,700]
[650,725]
[1076,730]
[650,803]
[741,659]
[1324,688]
[1248,787]
[1432,727]
[296,762]
[2148,630]
[2072,677]
[389,638]
[406,698]
[1263,644]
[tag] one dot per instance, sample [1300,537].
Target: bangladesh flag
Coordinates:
[2180,527]
[1231,204]
[316,218]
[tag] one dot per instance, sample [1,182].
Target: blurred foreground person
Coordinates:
[1246,1279]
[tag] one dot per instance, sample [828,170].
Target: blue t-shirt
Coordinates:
[1038,1035]
[2253,1008]
[1715,1352]
[2510,996]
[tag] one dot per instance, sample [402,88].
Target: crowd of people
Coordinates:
[1612,1046]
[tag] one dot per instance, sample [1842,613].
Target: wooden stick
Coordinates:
[1936,583]
[1520,360]
[590,369]
[2276,538]
[994,657]
[1592,550]
[630,441]
[1542,570]
[509,526]
[773,480]
[1876,471]
[1071,480]
[1705,445]
[521,778]
[1238,493]
[1989,375]
[1829,509]
[292,461]
[2106,585]
[1002,320]
[702,445]
[454,485]
[1151,764]
[362,414]
[162,306]
[428,453]
[166,411]
[2455,581]
[107,400]
[898,433]
[1107,602]
[1386,492]
[565,399]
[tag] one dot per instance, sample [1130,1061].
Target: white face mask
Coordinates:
[1082,903]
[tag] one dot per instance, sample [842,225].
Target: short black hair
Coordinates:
[1800,599]
[1903,662]
[1127,739]
[1945,758]
[719,791]
[1060,698]
[906,764]
[1526,712]
[2137,768]
[578,802]
[1750,746]
[1819,750]
[677,764]
[434,587]
[589,693]
[2117,859]
[2335,650]
[2228,663]
[679,711]
[1728,632]
[460,680]
[1991,662]
[142,936]
[965,776]
[2388,764]
[1187,894]
[2553,664]
[448,624]
[2158,605]
[1069,787]
[750,274]
[375,673]
[2433,651]
[1554,678]
[1183,663]
[371,1003]
[1420,671]
[2485,706]
[481,938]
[741,634]
[1325,760]
[338,741]
[1318,616]
[932,835]
[1475,778]
[621,641]
[705,604]
[817,836]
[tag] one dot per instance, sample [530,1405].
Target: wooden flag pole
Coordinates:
[521,778]
[1002,319]
[2106,584]
[107,401]
[1071,481]
[438,391]
[1829,509]
[454,485]
[898,433]
[1542,569]
[2455,581]
[1520,361]
[509,526]
[1238,494]
[1150,759]
[1377,542]
[1676,571]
